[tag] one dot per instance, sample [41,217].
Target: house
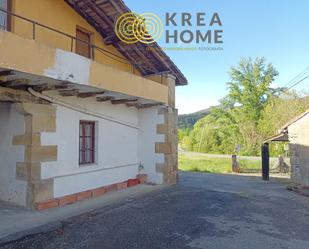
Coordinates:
[296,133]
[81,112]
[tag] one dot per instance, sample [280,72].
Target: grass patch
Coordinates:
[211,164]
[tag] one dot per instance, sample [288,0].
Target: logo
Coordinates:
[132,28]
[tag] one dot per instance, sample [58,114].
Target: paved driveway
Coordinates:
[203,211]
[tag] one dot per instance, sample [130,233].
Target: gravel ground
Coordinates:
[202,211]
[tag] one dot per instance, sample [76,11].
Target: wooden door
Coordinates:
[83,48]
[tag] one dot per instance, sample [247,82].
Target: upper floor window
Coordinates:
[86,142]
[83,48]
[5,19]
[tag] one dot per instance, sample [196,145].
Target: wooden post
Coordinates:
[235,164]
[265,161]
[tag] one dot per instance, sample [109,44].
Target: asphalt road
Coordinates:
[203,211]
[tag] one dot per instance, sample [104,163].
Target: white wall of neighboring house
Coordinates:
[11,123]
[299,146]
[121,145]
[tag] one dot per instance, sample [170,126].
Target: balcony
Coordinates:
[27,61]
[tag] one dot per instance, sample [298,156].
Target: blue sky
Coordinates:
[277,30]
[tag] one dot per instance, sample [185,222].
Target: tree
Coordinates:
[251,112]
[249,91]
[250,87]
[279,110]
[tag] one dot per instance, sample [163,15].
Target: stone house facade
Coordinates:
[298,136]
[81,113]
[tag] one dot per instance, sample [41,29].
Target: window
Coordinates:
[5,19]
[86,142]
[83,48]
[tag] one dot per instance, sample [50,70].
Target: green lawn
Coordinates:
[213,164]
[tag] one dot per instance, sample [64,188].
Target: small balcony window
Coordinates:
[83,46]
[87,142]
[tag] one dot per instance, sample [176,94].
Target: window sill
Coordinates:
[88,165]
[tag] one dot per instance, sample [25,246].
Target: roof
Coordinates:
[292,121]
[282,137]
[101,14]
[283,134]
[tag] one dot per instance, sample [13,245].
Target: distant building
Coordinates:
[81,112]
[298,136]
[296,132]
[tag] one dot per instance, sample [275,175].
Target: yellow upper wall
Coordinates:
[59,15]
[44,62]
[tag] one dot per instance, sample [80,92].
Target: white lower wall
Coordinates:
[12,123]
[121,147]
[148,120]
[117,147]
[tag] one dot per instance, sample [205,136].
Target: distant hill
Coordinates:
[188,120]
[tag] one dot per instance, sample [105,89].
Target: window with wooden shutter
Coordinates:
[83,42]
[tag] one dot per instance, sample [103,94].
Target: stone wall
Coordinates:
[38,118]
[299,148]
[169,168]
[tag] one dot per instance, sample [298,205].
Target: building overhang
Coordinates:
[282,137]
[27,63]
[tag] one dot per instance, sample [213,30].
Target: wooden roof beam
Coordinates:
[105,98]
[18,96]
[98,11]
[142,106]
[6,73]
[110,39]
[88,94]
[68,92]
[123,101]
[16,83]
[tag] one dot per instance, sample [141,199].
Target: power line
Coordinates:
[298,82]
[297,77]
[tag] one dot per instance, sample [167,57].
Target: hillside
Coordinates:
[188,120]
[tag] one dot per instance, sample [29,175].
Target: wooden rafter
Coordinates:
[97,10]
[101,14]
[16,83]
[104,98]
[68,92]
[6,73]
[18,96]
[142,106]
[88,94]
[110,39]
[122,101]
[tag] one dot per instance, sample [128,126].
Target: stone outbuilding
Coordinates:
[296,133]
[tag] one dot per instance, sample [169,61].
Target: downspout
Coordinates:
[82,110]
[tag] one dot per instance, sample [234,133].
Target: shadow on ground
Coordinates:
[203,211]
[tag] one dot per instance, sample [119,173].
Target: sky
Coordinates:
[277,30]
